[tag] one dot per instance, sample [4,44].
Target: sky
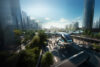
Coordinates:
[57,13]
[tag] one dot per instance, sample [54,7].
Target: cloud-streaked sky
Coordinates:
[53,11]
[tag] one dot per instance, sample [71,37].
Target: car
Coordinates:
[67,38]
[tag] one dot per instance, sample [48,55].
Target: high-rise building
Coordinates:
[28,23]
[99,23]
[88,14]
[16,13]
[24,21]
[34,25]
[10,19]
[76,25]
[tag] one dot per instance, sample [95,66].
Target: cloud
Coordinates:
[47,18]
[51,24]
[37,21]
[78,19]
[61,23]
[32,18]
[64,20]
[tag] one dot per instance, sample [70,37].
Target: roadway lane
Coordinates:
[64,53]
[60,54]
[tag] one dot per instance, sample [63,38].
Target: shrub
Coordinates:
[47,59]
[12,60]
[35,42]
[8,59]
[96,47]
[28,35]
[90,34]
[18,32]
[28,58]
[98,35]
[43,37]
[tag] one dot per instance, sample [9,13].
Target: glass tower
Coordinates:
[10,17]
[88,14]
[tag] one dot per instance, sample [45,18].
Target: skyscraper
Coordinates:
[24,21]
[16,13]
[99,23]
[88,14]
[10,18]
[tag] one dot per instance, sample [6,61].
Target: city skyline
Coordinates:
[56,12]
[49,33]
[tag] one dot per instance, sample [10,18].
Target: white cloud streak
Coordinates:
[59,24]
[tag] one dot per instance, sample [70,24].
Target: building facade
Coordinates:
[96,24]
[16,13]
[34,25]
[10,19]
[88,14]
[24,21]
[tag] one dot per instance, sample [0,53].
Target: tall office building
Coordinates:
[10,19]
[16,13]
[34,25]
[88,14]
[24,21]
[97,24]
[76,25]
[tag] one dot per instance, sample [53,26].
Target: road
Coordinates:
[62,54]
[21,47]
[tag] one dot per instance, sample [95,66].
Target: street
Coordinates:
[60,54]
[64,56]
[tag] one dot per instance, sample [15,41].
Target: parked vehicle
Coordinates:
[67,38]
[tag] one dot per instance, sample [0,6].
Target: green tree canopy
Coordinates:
[35,42]
[29,34]
[18,32]
[43,37]
[47,59]
[28,58]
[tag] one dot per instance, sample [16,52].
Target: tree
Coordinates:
[43,37]
[96,47]
[47,60]
[28,58]
[8,59]
[28,35]
[98,35]
[18,33]
[35,42]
